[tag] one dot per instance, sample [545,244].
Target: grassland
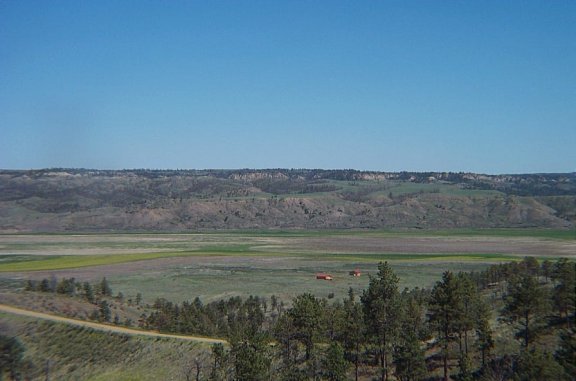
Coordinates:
[221,264]
[76,353]
[61,262]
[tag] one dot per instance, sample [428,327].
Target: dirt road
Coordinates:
[103,327]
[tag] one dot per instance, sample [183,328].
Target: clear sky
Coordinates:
[481,86]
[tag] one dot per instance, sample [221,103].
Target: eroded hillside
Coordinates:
[86,200]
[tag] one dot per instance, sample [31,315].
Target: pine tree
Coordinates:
[382,313]
[334,364]
[30,285]
[218,372]
[564,294]
[445,314]
[546,269]
[353,330]
[484,334]
[251,358]
[527,305]
[471,304]
[66,286]
[409,357]
[306,315]
[44,285]
[285,334]
[88,292]
[536,365]
[105,289]
[11,355]
[566,353]
[105,313]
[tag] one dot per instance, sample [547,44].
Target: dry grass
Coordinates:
[216,265]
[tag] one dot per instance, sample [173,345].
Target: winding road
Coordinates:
[103,327]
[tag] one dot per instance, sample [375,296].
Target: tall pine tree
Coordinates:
[445,314]
[382,313]
[527,304]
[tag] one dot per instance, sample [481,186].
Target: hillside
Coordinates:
[57,200]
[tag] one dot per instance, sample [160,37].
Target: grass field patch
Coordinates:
[426,257]
[59,262]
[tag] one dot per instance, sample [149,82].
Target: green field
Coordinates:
[61,262]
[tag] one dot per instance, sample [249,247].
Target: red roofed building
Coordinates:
[356,272]
[324,276]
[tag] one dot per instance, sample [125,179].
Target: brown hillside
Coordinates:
[83,200]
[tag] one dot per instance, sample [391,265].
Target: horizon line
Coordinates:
[61,169]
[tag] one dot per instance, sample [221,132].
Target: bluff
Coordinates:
[83,200]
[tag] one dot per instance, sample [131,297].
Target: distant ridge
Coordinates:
[58,200]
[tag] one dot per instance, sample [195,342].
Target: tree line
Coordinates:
[98,294]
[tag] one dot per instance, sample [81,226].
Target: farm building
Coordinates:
[324,276]
[355,272]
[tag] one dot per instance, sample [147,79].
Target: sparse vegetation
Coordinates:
[63,200]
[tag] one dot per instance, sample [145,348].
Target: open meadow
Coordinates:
[218,265]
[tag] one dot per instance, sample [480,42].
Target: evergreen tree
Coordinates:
[30,285]
[11,354]
[527,305]
[566,353]
[219,356]
[465,365]
[535,365]
[333,320]
[353,330]
[409,359]
[105,289]
[546,269]
[469,301]
[484,334]
[445,314]
[88,292]
[44,285]
[564,294]
[334,364]
[66,286]
[104,311]
[530,266]
[285,333]
[306,315]
[251,359]
[382,313]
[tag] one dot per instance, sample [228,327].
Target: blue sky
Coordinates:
[481,86]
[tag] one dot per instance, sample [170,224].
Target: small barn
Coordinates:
[355,272]
[324,276]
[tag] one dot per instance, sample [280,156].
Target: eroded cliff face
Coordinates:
[83,200]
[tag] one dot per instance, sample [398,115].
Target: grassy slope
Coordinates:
[84,354]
